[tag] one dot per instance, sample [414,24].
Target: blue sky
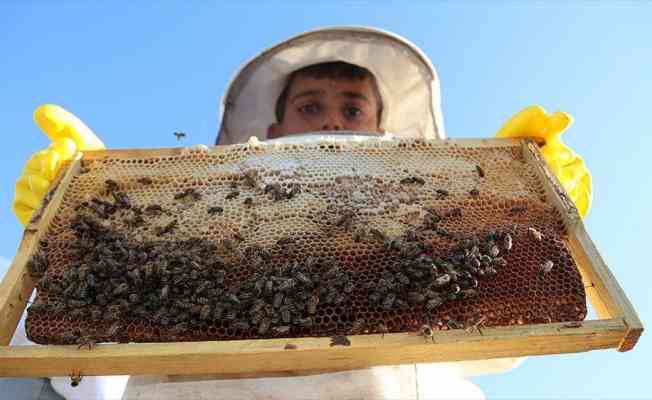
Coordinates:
[136,74]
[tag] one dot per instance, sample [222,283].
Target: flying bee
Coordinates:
[179,135]
[340,340]
[480,171]
[474,192]
[535,234]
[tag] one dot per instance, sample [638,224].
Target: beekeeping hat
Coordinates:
[406,79]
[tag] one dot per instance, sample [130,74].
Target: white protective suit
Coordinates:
[409,88]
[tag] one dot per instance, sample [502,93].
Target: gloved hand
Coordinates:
[569,167]
[69,135]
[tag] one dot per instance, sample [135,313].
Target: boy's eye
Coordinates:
[310,108]
[352,112]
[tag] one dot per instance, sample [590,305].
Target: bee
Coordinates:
[345,220]
[303,278]
[340,340]
[427,332]
[286,284]
[453,324]
[145,181]
[500,262]
[75,378]
[415,298]
[281,330]
[480,171]
[433,303]
[286,314]
[388,301]
[293,190]
[86,341]
[205,312]
[38,264]
[120,289]
[275,189]
[507,241]
[359,235]
[179,328]
[474,193]
[111,186]
[179,135]
[518,210]
[535,234]
[382,328]
[572,324]
[312,303]
[443,232]
[248,202]
[240,325]
[442,280]
[441,193]
[546,267]
[215,210]
[121,200]
[303,322]
[454,212]
[232,195]
[153,210]
[411,180]
[476,325]
[494,251]
[250,177]
[278,300]
[114,329]
[359,325]
[285,241]
[160,231]
[264,325]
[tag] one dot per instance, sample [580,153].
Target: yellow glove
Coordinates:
[68,135]
[568,166]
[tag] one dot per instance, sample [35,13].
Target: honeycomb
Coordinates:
[236,215]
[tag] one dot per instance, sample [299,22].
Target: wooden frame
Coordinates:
[618,325]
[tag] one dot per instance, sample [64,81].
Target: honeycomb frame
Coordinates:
[531,165]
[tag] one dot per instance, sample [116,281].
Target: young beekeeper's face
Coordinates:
[326,104]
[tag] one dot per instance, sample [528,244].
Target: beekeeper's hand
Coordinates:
[68,135]
[569,167]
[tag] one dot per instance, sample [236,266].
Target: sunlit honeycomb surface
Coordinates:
[362,178]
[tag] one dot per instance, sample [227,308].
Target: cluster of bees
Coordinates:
[426,282]
[185,284]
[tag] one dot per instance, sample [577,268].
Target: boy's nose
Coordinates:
[332,123]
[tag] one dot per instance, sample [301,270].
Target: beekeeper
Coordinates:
[348,79]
